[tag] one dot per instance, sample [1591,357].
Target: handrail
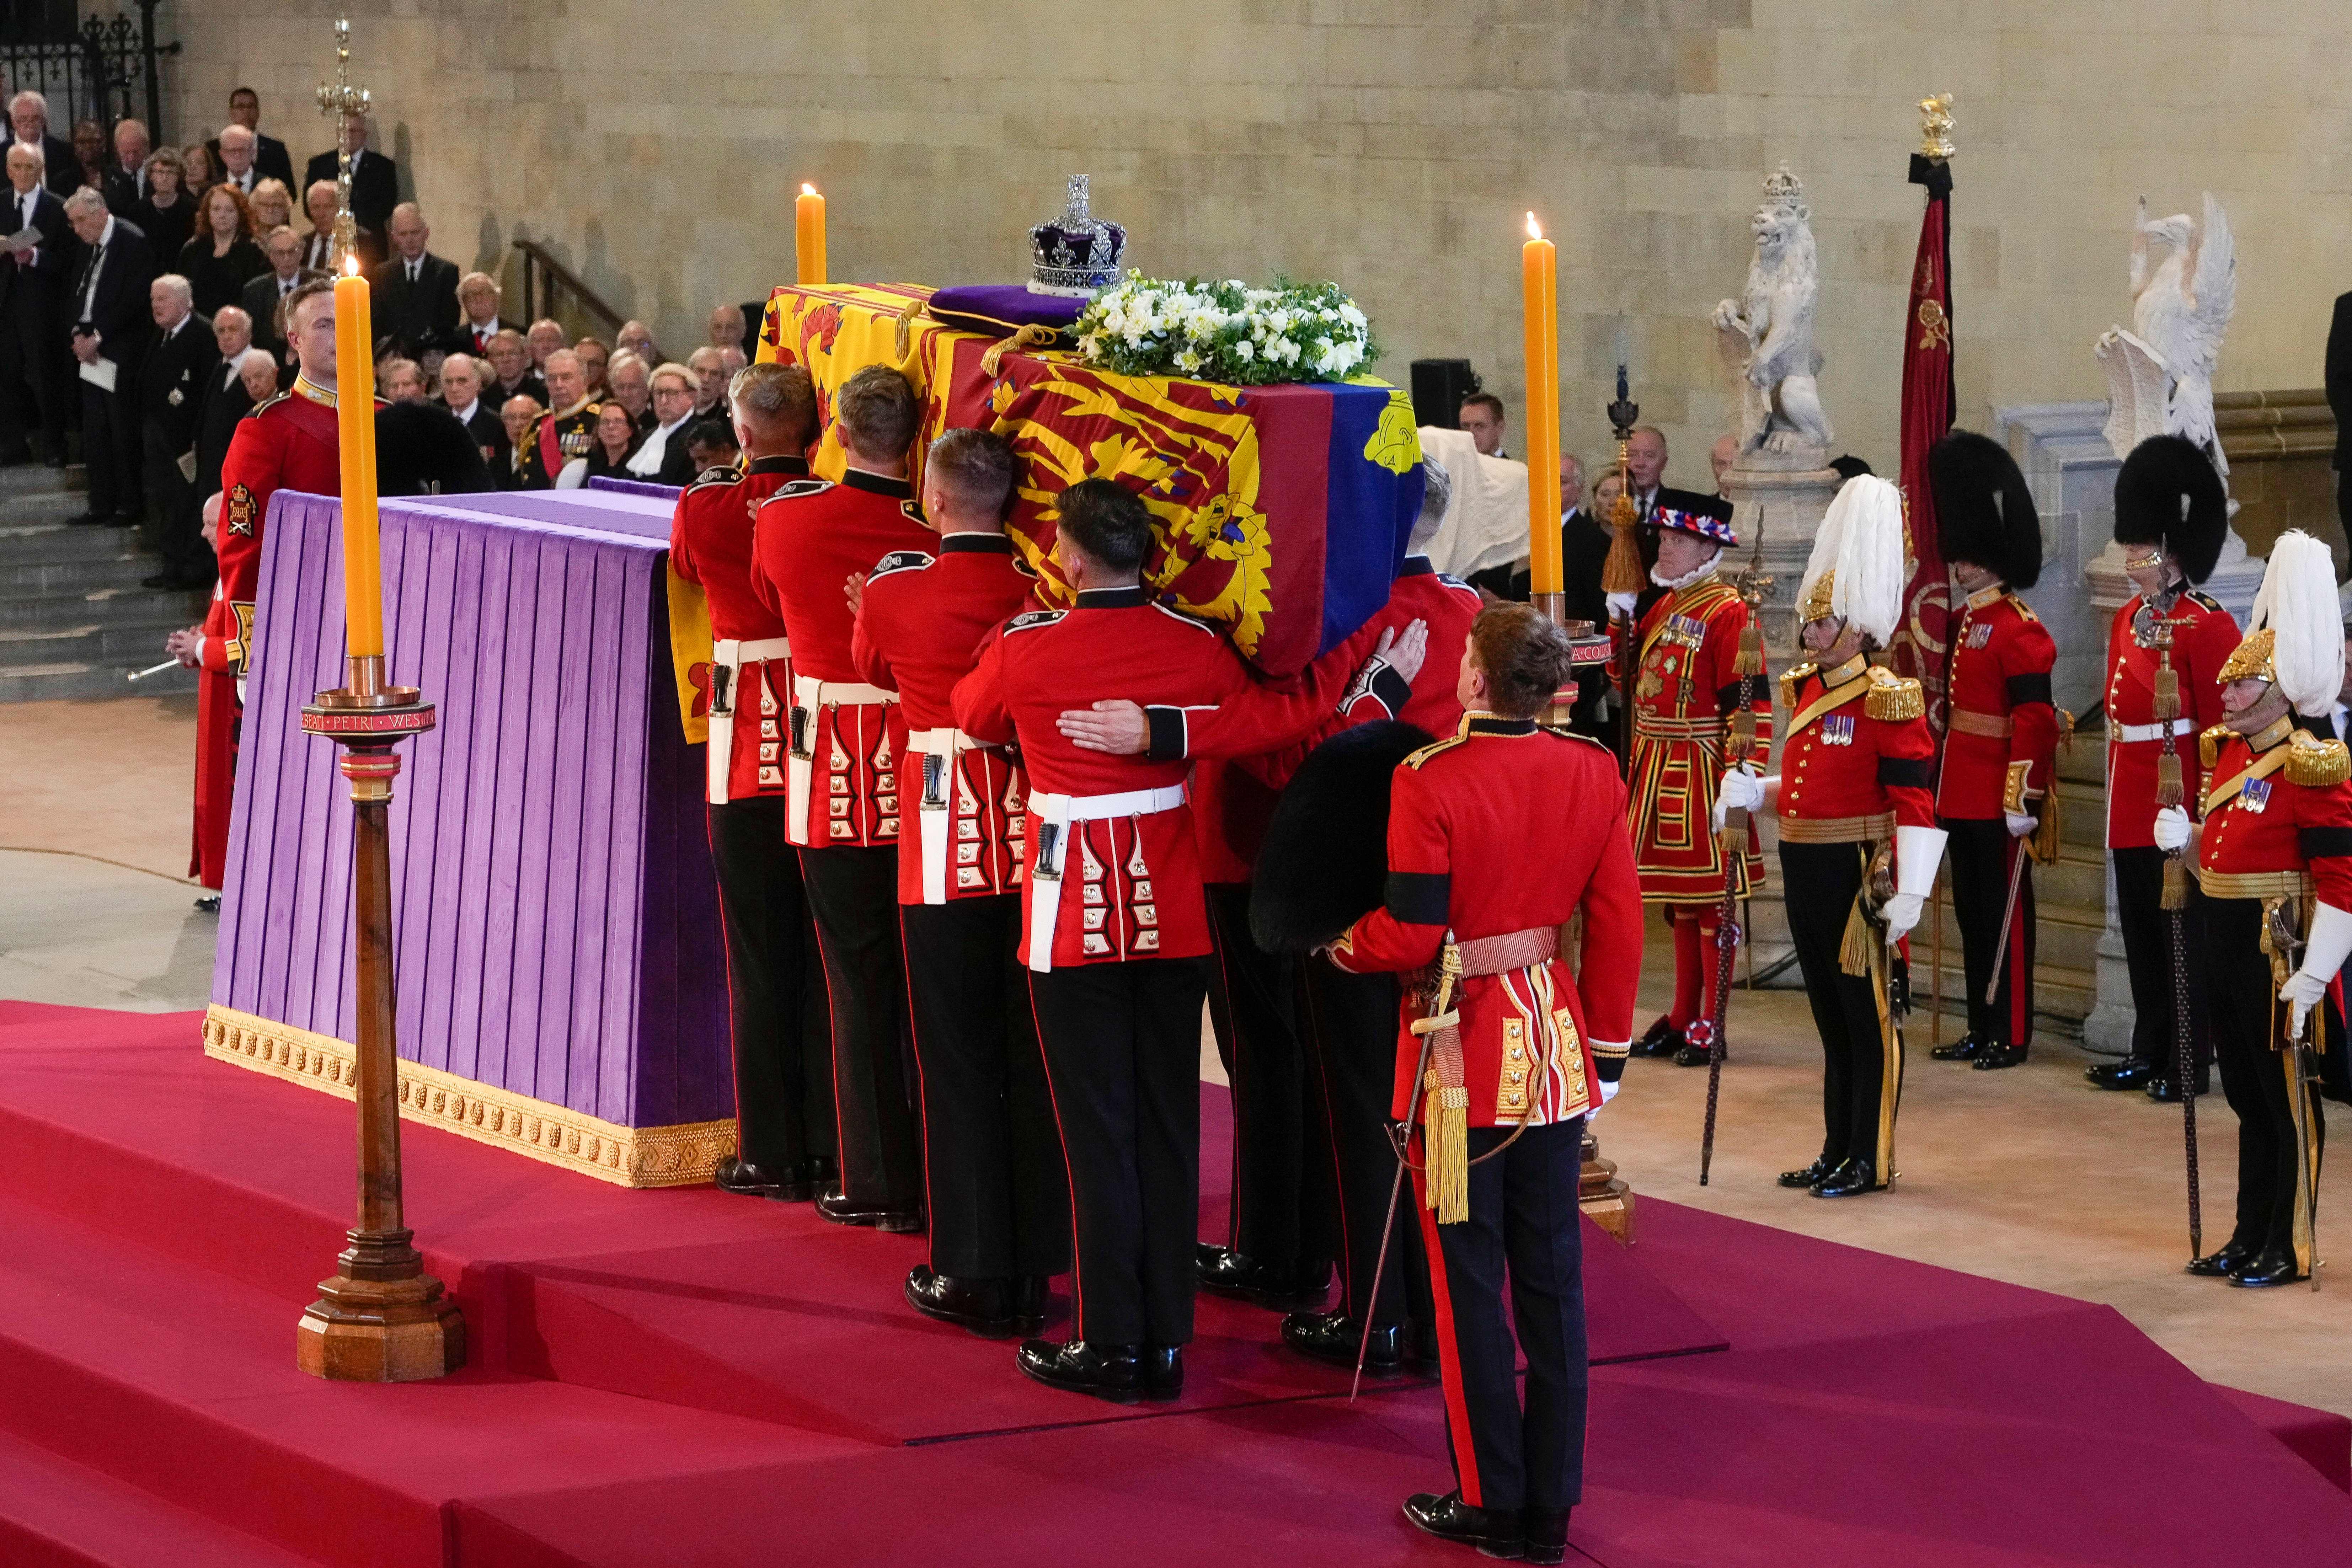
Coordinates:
[535,258]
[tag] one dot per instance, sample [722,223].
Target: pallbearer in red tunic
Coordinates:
[1497,837]
[784,1134]
[1685,649]
[2171,513]
[995,1187]
[2275,856]
[845,741]
[1995,789]
[289,442]
[1859,844]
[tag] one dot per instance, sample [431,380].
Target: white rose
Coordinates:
[1244,351]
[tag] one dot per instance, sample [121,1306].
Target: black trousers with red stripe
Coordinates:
[1982,854]
[993,1179]
[1845,1013]
[1282,1198]
[2147,955]
[775,989]
[1523,1215]
[1122,1047]
[2248,1019]
[853,894]
[1352,1032]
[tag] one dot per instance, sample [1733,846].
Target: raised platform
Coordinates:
[684,1377]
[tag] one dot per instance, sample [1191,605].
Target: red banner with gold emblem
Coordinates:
[1922,646]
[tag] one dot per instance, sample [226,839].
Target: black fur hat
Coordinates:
[421,448]
[2167,493]
[1324,863]
[1984,513]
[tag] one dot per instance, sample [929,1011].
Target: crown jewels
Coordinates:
[1075,254]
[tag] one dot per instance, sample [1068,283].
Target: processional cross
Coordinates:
[340,101]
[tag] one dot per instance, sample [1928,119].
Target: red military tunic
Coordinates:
[1684,694]
[2278,819]
[1113,834]
[2203,637]
[565,436]
[1502,828]
[1857,757]
[919,631]
[710,545]
[286,443]
[2002,734]
[845,736]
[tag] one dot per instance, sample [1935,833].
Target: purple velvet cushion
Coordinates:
[999,310]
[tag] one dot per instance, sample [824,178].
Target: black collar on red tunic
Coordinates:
[1496,724]
[781,464]
[881,485]
[1125,598]
[1416,566]
[975,545]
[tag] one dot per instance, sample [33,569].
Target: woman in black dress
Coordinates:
[222,258]
[167,213]
[616,437]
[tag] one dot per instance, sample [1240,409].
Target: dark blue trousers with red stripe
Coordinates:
[1982,855]
[1524,1220]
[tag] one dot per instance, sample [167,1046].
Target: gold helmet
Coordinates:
[2254,659]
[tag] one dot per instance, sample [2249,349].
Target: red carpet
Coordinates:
[690,1378]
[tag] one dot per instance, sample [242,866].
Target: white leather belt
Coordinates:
[2128,734]
[1050,816]
[731,654]
[935,806]
[809,695]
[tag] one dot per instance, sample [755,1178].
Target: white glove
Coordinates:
[1621,605]
[1608,1092]
[2322,957]
[1743,791]
[2171,829]
[1901,913]
[2020,825]
[1918,852]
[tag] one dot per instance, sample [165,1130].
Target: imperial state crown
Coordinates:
[1075,254]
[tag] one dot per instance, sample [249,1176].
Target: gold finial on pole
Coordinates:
[340,101]
[1935,128]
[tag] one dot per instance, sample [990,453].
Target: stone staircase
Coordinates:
[74,621]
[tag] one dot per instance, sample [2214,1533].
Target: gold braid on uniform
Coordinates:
[2208,746]
[2314,764]
[1892,698]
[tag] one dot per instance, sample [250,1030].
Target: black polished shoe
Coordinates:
[837,1205]
[89,519]
[1546,1533]
[1493,1532]
[1853,1175]
[1963,1050]
[209,904]
[1107,1371]
[1027,1301]
[2165,1092]
[983,1306]
[747,1180]
[1821,1166]
[1995,1055]
[2233,1256]
[2273,1265]
[2132,1073]
[1225,1272]
[1698,1042]
[1660,1040]
[1162,1370]
[1335,1337]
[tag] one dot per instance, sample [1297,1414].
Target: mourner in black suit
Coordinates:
[28,126]
[227,400]
[174,376]
[2339,398]
[422,449]
[261,295]
[415,291]
[269,158]
[36,379]
[375,179]
[112,322]
[167,210]
[461,393]
[125,184]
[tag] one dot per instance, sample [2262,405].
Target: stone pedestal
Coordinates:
[1780,499]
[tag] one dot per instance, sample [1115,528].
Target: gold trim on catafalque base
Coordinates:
[676,1156]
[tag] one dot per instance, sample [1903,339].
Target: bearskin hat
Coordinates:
[1984,513]
[423,449]
[2167,493]
[1324,863]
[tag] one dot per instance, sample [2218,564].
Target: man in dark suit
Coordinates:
[416,293]
[112,322]
[509,374]
[461,393]
[261,297]
[173,376]
[318,246]
[35,387]
[228,395]
[2339,398]
[126,178]
[28,122]
[375,179]
[271,161]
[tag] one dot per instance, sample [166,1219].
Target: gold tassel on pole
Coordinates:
[1621,571]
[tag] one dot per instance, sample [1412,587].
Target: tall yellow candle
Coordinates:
[355,434]
[808,235]
[1540,273]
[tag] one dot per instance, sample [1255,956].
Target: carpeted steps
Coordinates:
[55,1513]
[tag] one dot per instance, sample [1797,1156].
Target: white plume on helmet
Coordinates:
[2297,604]
[1861,539]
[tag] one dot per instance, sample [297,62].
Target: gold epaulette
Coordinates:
[2208,746]
[1432,750]
[1790,679]
[2314,764]
[1894,698]
[2021,607]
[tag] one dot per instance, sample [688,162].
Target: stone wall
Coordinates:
[1386,144]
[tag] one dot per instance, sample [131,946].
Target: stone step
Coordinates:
[35,479]
[27,542]
[122,565]
[80,682]
[130,645]
[128,605]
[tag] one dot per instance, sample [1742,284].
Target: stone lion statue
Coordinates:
[1767,335]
